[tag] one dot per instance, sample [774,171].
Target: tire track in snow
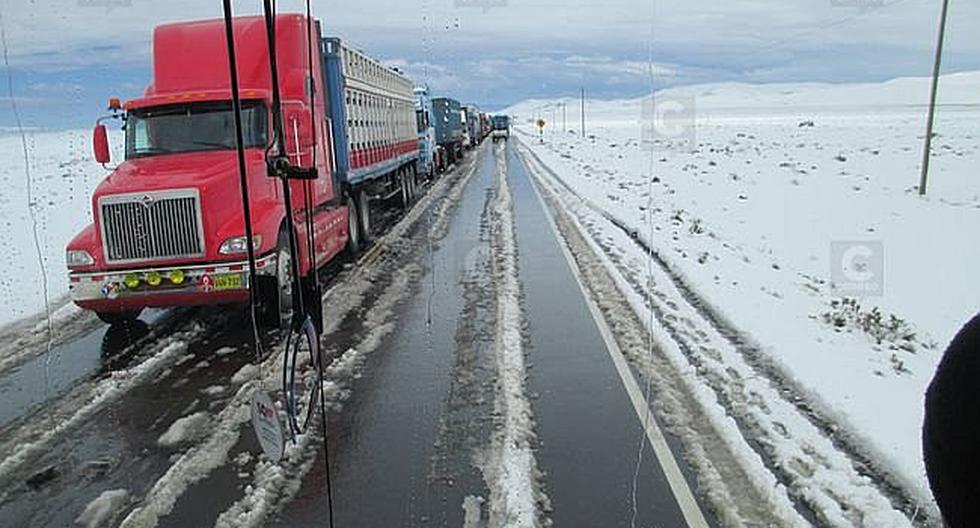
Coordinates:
[905,499]
[823,477]
[726,467]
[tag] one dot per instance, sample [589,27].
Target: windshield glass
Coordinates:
[192,127]
[490,263]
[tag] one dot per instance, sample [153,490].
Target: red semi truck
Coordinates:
[168,225]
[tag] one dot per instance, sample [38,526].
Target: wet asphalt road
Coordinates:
[591,436]
[115,447]
[404,445]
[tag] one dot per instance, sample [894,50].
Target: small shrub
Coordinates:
[891,331]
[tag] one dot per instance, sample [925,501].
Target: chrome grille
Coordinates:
[151,226]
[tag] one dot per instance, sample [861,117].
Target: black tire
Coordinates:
[353,230]
[123,317]
[413,178]
[364,216]
[406,194]
[410,186]
[275,292]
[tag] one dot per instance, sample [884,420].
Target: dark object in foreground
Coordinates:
[39,479]
[951,429]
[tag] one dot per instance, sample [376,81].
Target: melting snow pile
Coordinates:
[509,467]
[100,511]
[185,429]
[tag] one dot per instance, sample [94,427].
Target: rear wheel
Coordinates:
[364,215]
[413,183]
[408,183]
[406,188]
[353,229]
[123,317]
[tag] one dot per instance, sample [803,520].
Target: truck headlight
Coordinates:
[239,245]
[78,257]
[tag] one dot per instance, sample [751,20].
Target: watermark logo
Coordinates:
[857,267]
[861,5]
[485,5]
[669,122]
[105,4]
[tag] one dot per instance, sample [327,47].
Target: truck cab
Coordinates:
[500,125]
[167,223]
[426,133]
[448,123]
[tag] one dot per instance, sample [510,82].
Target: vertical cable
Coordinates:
[30,201]
[276,161]
[302,322]
[647,414]
[242,178]
[316,279]
[311,226]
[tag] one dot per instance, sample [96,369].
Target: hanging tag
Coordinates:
[265,421]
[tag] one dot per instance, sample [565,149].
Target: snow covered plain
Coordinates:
[753,194]
[63,175]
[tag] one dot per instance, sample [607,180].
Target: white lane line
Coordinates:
[675,479]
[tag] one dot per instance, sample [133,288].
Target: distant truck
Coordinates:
[448,123]
[501,127]
[484,125]
[428,162]
[168,227]
[473,128]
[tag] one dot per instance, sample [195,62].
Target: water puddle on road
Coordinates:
[49,375]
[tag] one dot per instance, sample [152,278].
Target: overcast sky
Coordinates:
[68,56]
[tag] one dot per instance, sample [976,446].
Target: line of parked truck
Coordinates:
[168,225]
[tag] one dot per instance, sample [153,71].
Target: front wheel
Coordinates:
[123,317]
[276,292]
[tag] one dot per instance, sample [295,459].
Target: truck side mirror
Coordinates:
[100,144]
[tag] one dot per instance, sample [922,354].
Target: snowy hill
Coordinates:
[955,89]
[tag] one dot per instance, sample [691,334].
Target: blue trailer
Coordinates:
[372,123]
[448,123]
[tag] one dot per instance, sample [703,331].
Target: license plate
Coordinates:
[228,281]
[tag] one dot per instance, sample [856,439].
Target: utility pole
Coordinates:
[564,127]
[583,112]
[927,148]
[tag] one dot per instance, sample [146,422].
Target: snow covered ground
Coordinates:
[63,175]
[775,203]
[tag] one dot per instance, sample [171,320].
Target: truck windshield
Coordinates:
[193,127]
